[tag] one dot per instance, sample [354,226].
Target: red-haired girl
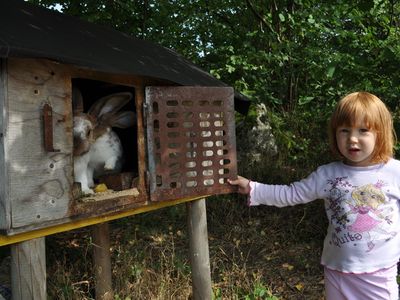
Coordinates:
[361,192]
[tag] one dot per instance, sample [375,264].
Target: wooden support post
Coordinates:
[102,261]
[199,253]
[139,99]
[28,270]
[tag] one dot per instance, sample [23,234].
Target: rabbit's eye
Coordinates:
[88,133]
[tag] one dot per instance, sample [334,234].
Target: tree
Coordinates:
[296,56]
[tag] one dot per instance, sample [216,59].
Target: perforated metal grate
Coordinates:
[191,141]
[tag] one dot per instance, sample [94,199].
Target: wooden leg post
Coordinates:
[199,253]
[102,261]
[28,270]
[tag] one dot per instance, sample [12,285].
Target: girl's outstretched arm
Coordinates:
[242,183]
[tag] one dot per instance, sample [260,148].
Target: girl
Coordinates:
[361,193]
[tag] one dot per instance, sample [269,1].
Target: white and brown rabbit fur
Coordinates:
[97,148]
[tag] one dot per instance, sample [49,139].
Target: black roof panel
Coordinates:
[28,30]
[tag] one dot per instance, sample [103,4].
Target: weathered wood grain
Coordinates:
[198,246]
[5,222]
[102,261]
[139,100]
[39,182]
[28,270]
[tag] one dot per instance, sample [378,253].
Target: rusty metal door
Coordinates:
[191,141]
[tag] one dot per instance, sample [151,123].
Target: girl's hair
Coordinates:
[376,117]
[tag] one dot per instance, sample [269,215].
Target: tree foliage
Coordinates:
[297,56]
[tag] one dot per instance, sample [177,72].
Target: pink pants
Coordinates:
[380,285]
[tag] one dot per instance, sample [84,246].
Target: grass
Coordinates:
[255,253]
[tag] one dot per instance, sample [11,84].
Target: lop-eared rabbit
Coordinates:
[97,148]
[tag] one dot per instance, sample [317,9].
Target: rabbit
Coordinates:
[97,148]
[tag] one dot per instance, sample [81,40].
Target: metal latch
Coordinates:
[48,128]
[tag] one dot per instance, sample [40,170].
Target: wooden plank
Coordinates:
[118,182]
[139,99]
[28,270]
[102,261]
[119,79]
[46,177]
[71,225]
[199,253]
[4,180]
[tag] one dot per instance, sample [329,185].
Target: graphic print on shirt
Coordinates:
[357,213]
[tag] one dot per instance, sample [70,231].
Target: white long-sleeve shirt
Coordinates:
[363,208]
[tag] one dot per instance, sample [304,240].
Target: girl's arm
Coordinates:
[303,191]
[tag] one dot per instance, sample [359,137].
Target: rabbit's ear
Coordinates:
[77,101]
[109,104]
[123,119]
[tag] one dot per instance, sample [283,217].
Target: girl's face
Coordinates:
[356,143]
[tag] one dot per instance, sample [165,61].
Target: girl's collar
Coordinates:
[365,168]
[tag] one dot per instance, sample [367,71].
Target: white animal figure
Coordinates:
[97,148]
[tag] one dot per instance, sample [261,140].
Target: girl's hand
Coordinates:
[242,183]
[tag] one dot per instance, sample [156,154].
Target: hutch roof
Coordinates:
[28,30]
